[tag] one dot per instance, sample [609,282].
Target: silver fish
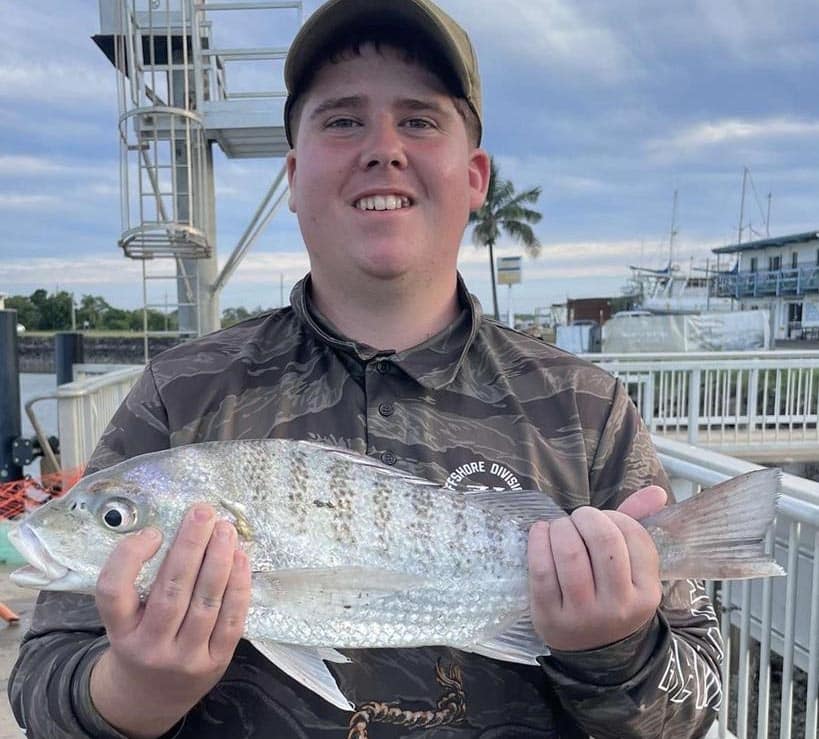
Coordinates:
[349,553]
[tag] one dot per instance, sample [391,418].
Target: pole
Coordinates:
[768,217]
[10,421]
[68,351]
[742,205]
[673,233]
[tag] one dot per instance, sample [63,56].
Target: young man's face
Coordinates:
[382,175]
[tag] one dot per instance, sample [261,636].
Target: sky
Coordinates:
[609,107]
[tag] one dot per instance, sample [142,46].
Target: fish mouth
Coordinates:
[43,571]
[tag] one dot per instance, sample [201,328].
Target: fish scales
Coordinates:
[347,552]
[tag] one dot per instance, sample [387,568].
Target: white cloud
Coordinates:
[76,271]
[553,34]
[14,200]
[733,129]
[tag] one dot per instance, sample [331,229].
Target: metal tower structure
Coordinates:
[174,103]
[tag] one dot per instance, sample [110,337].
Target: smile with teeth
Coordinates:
[383,202]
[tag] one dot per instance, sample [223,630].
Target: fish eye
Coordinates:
[118,515]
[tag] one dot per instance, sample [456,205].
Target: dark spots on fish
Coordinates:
[381,511]
[299,483]
[422,503]
[323,503]
[347,607]
[340,473]
[459,511]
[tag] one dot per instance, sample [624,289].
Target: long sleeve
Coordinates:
[664,680]
[49,687]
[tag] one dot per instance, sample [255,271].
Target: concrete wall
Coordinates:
[37,352]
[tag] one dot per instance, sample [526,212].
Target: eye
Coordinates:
[118,515]
[342,123]
[419,123]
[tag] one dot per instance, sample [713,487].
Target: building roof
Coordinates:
[774,242]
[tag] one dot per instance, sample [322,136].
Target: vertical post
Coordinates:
[10,422]
[648,401]
[753,401]
[68,351]
[694,406]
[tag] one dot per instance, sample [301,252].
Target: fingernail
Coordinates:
[224,530]
[149,532]
[202,513]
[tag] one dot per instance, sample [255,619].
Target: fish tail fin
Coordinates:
[719,533]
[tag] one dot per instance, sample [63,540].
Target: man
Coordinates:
[384,351]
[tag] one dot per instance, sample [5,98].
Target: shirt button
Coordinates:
[382,366]
[386,409]
[388,458]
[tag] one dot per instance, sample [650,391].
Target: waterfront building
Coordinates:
[780,275]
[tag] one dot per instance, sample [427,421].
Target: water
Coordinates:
[31,386]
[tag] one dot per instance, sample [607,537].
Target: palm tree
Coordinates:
[505,210]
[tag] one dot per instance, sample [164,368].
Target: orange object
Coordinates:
[7,614]
[20,496]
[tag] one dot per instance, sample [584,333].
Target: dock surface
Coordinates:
[21,601]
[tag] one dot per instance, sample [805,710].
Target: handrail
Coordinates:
[767,617]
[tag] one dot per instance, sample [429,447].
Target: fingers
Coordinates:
[231,622]
[611,565]
[117,598]
[171,592]
[642,554]
[542,575]
[572,564]
[644,502]
[209,589]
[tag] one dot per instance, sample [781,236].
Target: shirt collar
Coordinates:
[434,363]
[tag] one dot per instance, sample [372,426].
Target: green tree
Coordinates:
[27,313]
[91,310]
[54,310]
[116,319]
[234,315]
[505,210]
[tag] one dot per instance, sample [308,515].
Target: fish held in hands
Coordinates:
[349,553]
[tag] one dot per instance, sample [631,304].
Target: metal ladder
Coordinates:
[174,102]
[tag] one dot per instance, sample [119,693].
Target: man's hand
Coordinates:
[167,653]
[594,575]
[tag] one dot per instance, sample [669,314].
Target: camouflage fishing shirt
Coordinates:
[477,405]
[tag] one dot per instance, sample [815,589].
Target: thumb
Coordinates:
[644,502]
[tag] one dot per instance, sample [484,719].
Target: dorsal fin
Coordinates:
[525,507]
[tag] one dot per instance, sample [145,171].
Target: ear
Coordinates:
[479,170]
[290,162]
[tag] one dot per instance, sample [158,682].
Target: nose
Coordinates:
[383,145]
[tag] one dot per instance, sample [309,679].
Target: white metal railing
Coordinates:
[770,626]
[769,400]
[84,409]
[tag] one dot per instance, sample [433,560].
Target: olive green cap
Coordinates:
[422,17]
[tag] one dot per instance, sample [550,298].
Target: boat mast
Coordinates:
[742,204]
[673,233]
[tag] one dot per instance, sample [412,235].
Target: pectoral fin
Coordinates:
[305,665]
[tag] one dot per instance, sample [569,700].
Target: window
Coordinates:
[753,261]
[775,263]
[817,257]
[794,260]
